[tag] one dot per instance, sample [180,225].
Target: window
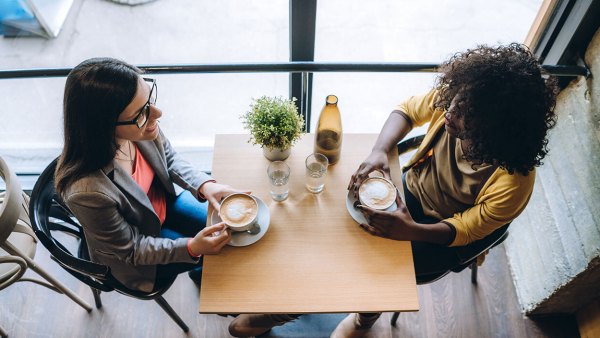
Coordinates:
[166,32]
[426,31]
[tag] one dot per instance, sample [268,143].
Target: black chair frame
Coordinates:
[49,213]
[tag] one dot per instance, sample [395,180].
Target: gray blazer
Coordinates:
[119,222]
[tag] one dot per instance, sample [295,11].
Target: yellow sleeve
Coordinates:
[501,200]
[419,108]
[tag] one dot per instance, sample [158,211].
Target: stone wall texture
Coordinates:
[554,246]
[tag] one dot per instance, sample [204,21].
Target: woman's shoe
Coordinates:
[249,325]
[355,325]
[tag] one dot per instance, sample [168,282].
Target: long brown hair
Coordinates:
[96,92]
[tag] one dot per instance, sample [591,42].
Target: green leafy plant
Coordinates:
[273,122]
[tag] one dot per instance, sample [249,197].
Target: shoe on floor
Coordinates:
[250,325]
[350,327]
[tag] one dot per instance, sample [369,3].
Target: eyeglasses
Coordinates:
[142,116]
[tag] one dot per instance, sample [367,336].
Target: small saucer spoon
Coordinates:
[254,229]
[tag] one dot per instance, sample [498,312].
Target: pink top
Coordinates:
[143,175]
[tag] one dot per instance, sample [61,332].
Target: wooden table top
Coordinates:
[314,257]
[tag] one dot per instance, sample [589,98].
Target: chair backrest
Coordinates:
[10,206]
[470,252]
[48,213]
[12,219]
[410,144]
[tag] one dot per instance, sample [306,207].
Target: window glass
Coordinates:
[365,100]
[195,106]
[427,31]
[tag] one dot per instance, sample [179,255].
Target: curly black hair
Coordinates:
[506,102]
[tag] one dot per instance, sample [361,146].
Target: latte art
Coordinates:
[377,193]
[239,210]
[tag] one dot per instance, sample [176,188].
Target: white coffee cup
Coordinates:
[239,211]
[377,193]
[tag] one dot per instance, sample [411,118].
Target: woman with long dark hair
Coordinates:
[117,173]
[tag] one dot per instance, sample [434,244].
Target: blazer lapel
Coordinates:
[126,183]
[157,162]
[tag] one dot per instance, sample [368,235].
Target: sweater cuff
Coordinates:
[452,233]
[200,195]
[189,250]
[403,114]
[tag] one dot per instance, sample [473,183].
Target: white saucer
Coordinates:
[243,238]
[356,214]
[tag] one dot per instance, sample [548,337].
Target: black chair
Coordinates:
[468,253]
[48,214]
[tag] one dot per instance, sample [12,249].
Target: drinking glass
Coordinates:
[316,170]
[279,175]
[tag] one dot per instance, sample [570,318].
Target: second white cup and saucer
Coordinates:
[379,188]
[255,229]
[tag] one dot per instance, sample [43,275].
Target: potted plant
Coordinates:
[274,124]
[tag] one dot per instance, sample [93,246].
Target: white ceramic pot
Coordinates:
[276,154]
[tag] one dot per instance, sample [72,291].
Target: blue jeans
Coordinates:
[186,216]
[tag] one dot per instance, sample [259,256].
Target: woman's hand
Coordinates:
[398,224]
[214,192]
[377,160]
[210,240]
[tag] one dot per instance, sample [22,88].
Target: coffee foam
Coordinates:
[377,193]
[239,210]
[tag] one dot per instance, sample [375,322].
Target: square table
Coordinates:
[314,257]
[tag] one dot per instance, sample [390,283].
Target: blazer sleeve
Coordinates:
[104,224]
[181,171]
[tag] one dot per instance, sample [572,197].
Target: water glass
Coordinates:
[279,175]
[316,170]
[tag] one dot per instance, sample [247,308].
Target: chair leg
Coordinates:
[3,333]
[394,318]
[97,299]
[169,310]
[33,266]
[473,267]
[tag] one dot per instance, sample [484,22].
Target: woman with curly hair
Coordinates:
[488,116]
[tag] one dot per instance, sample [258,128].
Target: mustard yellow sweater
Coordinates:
[502,198]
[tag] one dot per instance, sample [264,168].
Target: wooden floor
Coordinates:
[451,307]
